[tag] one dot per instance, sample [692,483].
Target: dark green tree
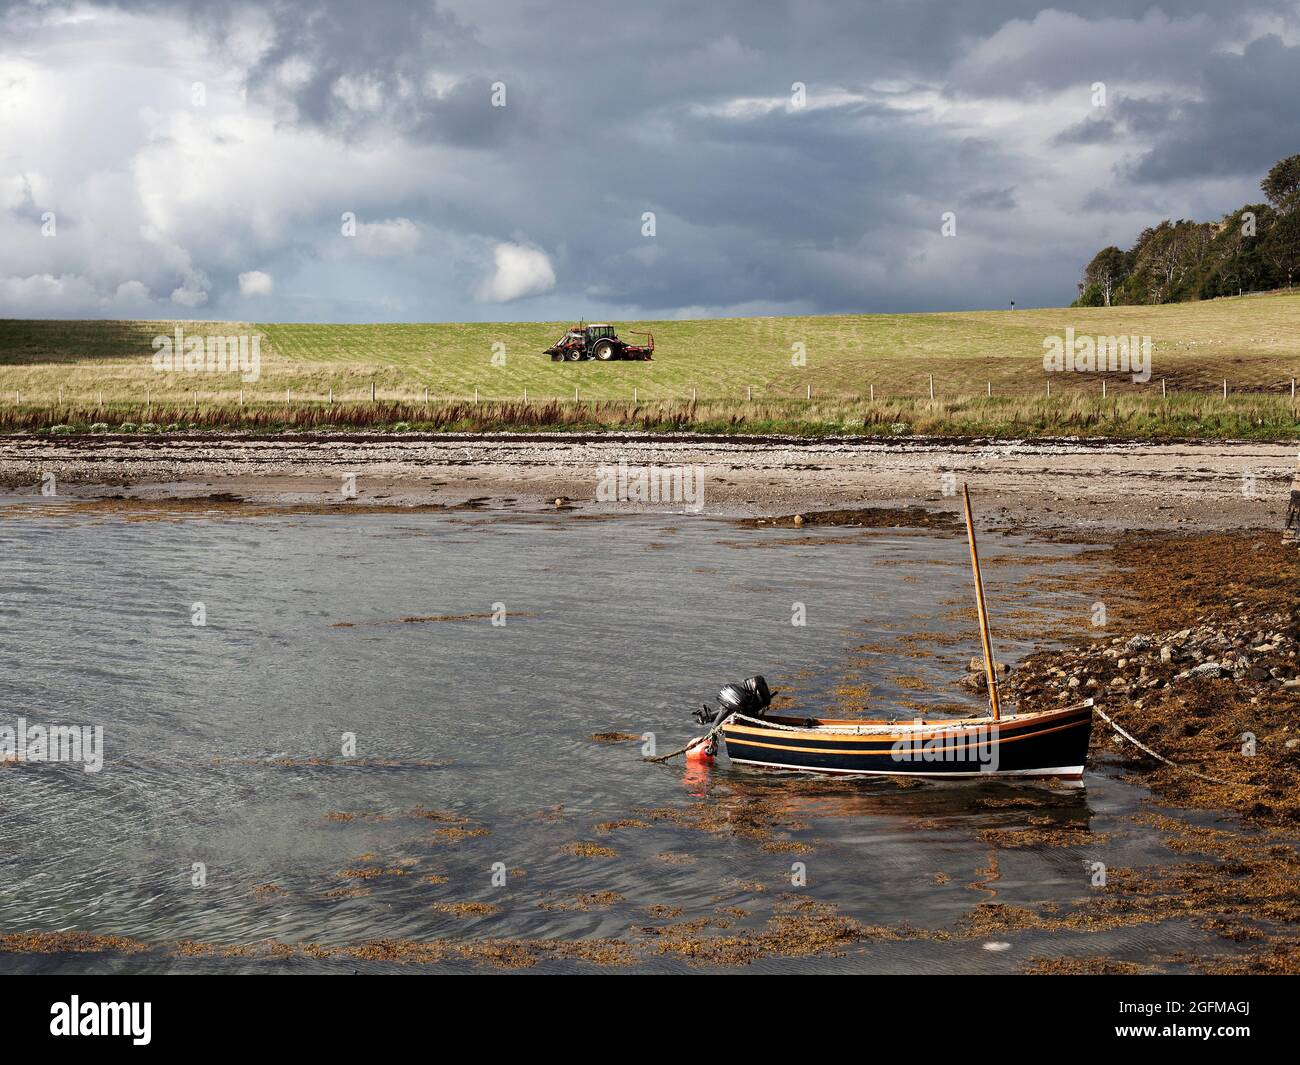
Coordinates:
[1106,272]
[1281,247]
[1255,248]
[1282,183]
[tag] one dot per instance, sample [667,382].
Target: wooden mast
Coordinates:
[979,602]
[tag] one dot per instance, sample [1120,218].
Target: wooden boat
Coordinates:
[1045,743]
[1051,743]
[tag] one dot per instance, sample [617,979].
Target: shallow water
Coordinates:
[223,744]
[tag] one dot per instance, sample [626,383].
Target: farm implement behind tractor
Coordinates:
[599,341]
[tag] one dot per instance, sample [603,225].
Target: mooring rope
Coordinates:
[1161,758]
[699,739]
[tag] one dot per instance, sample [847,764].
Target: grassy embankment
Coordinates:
[78,374]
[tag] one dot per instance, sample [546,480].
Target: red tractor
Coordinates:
[598,341]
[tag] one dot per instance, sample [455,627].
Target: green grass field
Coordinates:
[740,372]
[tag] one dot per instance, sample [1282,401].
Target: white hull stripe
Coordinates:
[1046,771]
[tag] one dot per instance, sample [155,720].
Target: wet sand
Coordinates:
[1083,486]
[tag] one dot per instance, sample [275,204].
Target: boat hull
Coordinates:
[1049,744]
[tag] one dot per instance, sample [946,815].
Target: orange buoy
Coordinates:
[700,749]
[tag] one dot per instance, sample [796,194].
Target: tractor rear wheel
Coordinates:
[604,350]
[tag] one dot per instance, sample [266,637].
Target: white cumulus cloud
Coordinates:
[256,283]
[518,271]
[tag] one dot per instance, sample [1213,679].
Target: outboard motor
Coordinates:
[750,697]
[758,687]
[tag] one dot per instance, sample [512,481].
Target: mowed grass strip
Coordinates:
[1249,341]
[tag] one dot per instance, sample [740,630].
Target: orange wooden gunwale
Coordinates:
[995,741]
[916,730]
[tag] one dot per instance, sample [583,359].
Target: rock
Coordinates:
[1291,685]
[798,519]
[1291,745]
[1166,653]
[1212,670]
[976,665]
[977,682]
[1073,682]
[1138,643]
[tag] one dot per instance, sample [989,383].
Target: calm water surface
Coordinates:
[223,743]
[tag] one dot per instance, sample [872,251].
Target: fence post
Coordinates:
[1163,392]
[1049,388]
[634,393]
[577,395]
[810,391]
[1103,388]
[331,395]
[990,387]
[476,393]
[873,393]
[749,392]
[1291,530]
[426,395]
[692,395]
[1225,388]
[525,395]
[931,387]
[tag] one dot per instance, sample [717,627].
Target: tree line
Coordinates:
[1255,248]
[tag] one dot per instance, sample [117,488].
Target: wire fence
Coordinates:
[928,388]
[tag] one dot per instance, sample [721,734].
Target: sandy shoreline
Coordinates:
[1081,485]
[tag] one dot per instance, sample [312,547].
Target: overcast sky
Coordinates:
[197,160]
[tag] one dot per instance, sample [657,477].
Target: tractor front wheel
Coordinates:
[604,350]
[573,354]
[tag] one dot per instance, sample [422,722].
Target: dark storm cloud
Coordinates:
[1124,117]
[991,199]
[1246,119]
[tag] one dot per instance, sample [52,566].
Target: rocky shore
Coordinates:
[1205,670]
[1256,655]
